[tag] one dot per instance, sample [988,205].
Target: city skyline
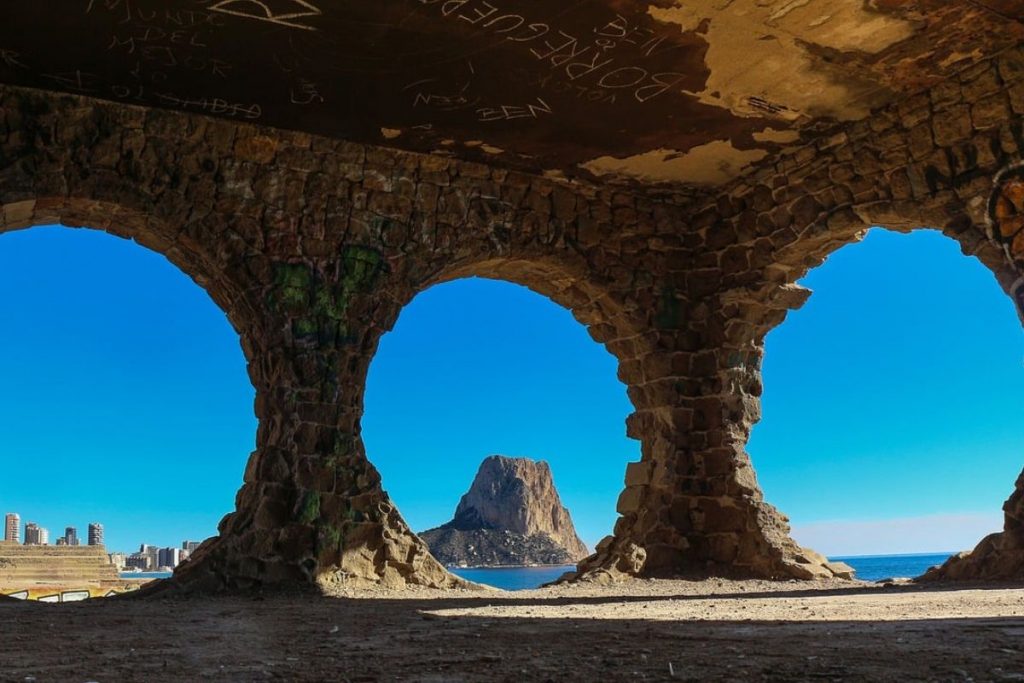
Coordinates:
[148,558]
[13,532]
[95,535]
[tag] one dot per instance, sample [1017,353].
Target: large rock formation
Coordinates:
[511,515]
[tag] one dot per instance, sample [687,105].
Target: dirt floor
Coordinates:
[645,630]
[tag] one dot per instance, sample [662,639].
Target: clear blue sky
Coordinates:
[124,399]
[889,405]
[480,367]
[894,393]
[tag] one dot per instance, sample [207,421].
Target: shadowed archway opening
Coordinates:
[889,414]
[126,399]
[477,367]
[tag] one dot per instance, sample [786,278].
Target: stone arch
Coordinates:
[590,303]
[313,245]
[137,225]
[561,279]
[153,234]
[758,311]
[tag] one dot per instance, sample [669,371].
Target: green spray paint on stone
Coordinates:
[669,313]
[320,306]
[290,293]
[310,508]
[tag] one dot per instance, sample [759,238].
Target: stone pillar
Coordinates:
[312,508]
[692,505]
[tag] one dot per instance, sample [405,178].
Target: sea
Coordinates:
[869,568]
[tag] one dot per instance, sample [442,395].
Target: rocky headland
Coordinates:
[511,516]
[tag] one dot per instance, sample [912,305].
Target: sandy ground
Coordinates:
[644,630]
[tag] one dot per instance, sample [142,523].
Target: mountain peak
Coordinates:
[516,497]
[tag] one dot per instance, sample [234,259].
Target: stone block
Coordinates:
[982,83]
[952,125]
[1016,93]
[259,149]
[604,544]
[18,213]
[990,112]
[841,570]
[630,499]
[721,516]
[724,548]
[638,474]
[945,94]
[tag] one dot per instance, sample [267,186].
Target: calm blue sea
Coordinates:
[145,575]
[509,578]
[875,567]
[512,578]
[869,568]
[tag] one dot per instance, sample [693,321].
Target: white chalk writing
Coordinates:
[598,58]
[509,112]
[12,59]
[307,92]
[130,12]
[168,49]
[76,81]
[212,105]
[287,14]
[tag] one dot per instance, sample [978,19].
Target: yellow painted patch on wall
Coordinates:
[712,164]
[786,83]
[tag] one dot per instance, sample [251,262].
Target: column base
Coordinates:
[999,557]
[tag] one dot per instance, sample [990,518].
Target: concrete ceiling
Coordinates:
[686,92]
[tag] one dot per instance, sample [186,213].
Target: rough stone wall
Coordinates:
[312,247]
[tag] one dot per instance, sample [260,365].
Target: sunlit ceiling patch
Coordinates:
[773,135]
[759,58]
[710,164]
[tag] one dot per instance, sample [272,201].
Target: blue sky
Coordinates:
[481,367]
[889,400]
[124,399]
[894,393]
